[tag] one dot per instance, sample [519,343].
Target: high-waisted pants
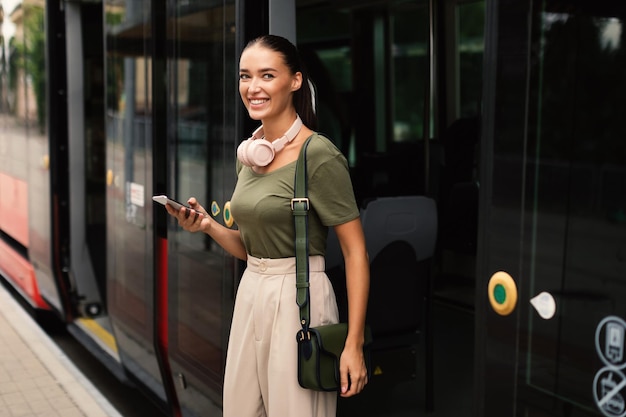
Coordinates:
[260,377]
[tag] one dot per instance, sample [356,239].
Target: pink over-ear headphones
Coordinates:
[258,151]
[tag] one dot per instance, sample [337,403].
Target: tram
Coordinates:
[487,147]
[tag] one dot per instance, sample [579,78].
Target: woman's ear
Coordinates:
[296,83]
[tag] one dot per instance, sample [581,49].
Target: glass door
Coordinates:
[129,222]
[202,104]
[552,243]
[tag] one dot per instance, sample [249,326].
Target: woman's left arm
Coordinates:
[352,364]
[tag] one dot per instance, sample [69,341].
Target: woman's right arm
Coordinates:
[227,238]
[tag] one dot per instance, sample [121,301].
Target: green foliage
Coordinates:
[13,64]
[29,54]
[113,19]
[35,58]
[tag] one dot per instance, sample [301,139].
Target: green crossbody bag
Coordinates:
[319,348]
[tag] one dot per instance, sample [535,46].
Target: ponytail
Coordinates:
[304,101]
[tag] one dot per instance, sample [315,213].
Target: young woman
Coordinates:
[261,377]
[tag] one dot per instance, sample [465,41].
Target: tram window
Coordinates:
[471,22]
[410,72]
[372,72]
[328,57]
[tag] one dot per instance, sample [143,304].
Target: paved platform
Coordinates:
[36,378]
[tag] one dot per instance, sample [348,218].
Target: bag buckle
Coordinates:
[300,200]
[302,335]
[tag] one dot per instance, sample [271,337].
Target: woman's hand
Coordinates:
[195,219]
[352,370]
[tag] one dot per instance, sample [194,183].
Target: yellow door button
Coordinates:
[502,293]
[228,218]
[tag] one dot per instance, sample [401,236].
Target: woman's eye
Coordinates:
[243,76]
[268,76]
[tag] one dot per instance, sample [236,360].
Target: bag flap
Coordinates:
[332,337]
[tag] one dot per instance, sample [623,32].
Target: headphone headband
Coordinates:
[281,142]
[257,151]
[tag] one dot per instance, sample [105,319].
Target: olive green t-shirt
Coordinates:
[261,203]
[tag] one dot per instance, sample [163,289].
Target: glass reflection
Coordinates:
[202,101]
[24,147]
[577,206]
[129,184]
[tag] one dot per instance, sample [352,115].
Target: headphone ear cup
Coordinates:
[260,152]
[242,152]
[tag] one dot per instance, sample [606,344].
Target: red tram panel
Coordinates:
[22,275]
[14,208]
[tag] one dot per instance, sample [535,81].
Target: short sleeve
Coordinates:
[330,188]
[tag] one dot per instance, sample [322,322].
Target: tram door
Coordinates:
[129,234]
[552,248]
[380,68]
[202,103]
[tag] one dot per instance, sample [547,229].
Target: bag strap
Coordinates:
[299,208]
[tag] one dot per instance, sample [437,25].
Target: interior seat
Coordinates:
[400,234]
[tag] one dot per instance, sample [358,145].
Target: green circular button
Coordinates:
[502,292]
[499,293]
[228,218]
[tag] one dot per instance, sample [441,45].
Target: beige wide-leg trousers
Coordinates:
[260,378]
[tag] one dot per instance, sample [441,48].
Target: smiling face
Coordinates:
[266,84]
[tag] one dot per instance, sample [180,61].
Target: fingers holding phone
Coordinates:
[191,216]
[192,220]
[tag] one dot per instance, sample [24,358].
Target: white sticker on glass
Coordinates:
[544,304]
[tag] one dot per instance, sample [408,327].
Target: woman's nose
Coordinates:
[254,84]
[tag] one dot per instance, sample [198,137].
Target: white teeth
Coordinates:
[257,101]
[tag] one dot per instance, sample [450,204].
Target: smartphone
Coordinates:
[163,199]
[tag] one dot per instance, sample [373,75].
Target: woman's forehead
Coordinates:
[256,55]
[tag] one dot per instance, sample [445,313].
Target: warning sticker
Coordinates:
[609,391]
[610,341]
